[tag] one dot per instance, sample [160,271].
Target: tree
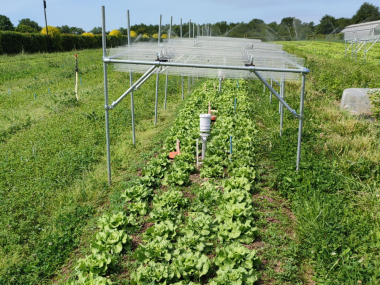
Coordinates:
[366,13]
[5,24]
[30,23]
[65,29]
[54,32]
[76,31]
[25,29]
[116,33]
[123,31]
[96,30]
[326,25]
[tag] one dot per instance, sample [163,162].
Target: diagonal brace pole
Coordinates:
[276,94]
[115,103]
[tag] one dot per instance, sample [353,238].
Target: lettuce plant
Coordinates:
[112,241]
[236,255]
[166,229]
[153,273]
[95,263]
[117,222]
[158,249]
[137,193]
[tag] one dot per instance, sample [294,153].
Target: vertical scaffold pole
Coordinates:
[181,71]
[159,30]
[166,88]
[181,28]
[131,80]
[345,49]
[182,85]
[300,122]
[106,95]
[167,74]
[282,94]
[270,93]
[156,99]
[158,76]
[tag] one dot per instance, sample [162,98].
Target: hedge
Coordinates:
[1,47]
[13,42]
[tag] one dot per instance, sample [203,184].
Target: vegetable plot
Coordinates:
[197,238]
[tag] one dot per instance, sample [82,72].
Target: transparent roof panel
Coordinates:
[209,51]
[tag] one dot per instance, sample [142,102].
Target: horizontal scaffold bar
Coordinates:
[303,70]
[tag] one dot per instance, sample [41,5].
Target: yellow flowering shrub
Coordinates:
[155,36]
[145,36]
[164,36]
[88,34]
[53,31]
[133,34]
[116,33]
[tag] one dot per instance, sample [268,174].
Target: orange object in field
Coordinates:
[174,153]
[213,118]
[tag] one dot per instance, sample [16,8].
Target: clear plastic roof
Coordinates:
[210,51]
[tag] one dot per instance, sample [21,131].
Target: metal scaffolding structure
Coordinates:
[203,56]
[359,36]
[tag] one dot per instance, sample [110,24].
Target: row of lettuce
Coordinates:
[198,232]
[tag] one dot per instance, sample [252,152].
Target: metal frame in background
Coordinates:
[357,45]
[157,65]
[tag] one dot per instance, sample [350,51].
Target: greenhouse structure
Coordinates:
[206,57]
[359,35]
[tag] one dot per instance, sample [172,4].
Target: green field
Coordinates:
[320,225]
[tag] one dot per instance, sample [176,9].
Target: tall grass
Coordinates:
[335,195]
[52,154]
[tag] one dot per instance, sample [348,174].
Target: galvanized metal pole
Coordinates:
[182,86]
[104,45]
[300,122]
[190,29]
[181,71]
[131,80]
[170,29]
[156,99]
[345,49]
[282,107]
[166,88]
[167,74]
[270,93]
[158,76]
[159,30]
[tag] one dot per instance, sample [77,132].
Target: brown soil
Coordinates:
[196,178]
[136,240]
[188,194]
[272,220]
[255,245]
[145,226]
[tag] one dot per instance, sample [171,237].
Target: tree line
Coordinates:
[289,28]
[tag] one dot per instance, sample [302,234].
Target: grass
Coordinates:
[318,225]
[52,154]
[335,196]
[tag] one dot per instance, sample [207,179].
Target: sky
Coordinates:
[86,14]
